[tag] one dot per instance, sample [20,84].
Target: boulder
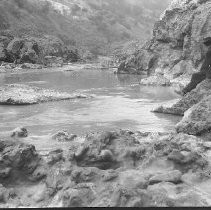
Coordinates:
[20,132]
[197,120]
[15,47]
[156,80]
[16,159]
[189,100]
[30,52]
[108,150]
[133,179]
[64,136]
[170,195]
[55,157]
[23,51]
[80,197]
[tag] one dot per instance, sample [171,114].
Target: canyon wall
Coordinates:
[177,43]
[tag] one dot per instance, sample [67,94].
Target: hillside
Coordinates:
[89,25]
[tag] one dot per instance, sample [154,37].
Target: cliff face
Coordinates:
[177,43]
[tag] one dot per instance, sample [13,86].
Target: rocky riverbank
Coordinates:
[195,107]
[110,169]
[114,169]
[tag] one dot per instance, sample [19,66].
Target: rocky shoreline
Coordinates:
[117,168]
[109,169]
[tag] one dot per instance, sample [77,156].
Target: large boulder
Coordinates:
[30,52]
[197,120]
[17,160]
[23,51]
[108,150]
[156,80]
[15,47]
[64,136]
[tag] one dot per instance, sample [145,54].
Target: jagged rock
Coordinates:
[80,197]
[18,94]
[188,158]
[55,156]
[122,197]
[133,179]
[30,52]
[85,174]
[15,47]
[64,136]
[110,175]
[166,195]
[197,120]
[172,176]
[20,132]
[18,158]
[106,155]
[189,100]
[101,151]
[155,80]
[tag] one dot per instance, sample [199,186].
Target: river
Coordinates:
[118,102]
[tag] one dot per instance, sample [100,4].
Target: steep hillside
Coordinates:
[92,25]
[177,44]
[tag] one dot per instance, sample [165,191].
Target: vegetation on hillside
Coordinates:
[94,27]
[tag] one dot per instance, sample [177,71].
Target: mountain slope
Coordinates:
[93,25]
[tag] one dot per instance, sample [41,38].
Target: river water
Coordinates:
[119,102]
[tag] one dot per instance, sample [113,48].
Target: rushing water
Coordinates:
[119,102]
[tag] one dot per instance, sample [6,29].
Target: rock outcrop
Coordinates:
[64,136]
[18,94]
[194,97]
[109,169]
[195,107]
[197,120]
[177,45]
